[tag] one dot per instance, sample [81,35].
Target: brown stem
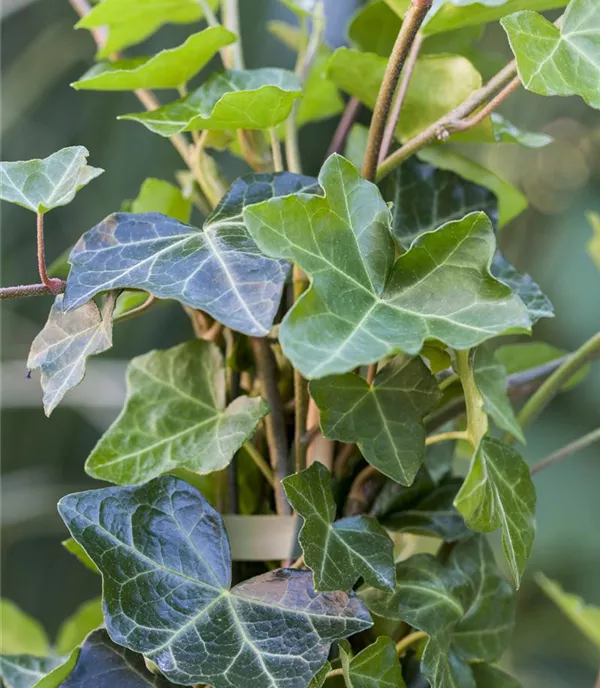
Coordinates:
[406,36]
[25,290]
[371,373]
[566,451]
[345,124]
[55,286]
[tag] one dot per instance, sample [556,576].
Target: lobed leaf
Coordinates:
[338,552]
[385,418]
[250,99]
[41,185]
[158,196]
[363,306]
[174,417]
[68,339]
[376,666]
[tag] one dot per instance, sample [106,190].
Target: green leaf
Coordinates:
[593,245]
[374,28]
[498,492]
[376,666]
[40,185]
[250,99]
[319,679]
[131,21]
[558,62]
[185,388]
[68,339]
[490,378]
[219,269]
[171,68]
[28,671]
[506,132]
[585,616]
[74,548]
[343,242]
[302,8]
[164,544]
[385,418]
[157,196]
[487,676]
[338,552]
[88,617]
[20,634]
[439,84]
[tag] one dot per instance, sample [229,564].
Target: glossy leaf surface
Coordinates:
[376,666]
[338,552]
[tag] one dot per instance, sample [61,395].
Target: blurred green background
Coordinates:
[43,459]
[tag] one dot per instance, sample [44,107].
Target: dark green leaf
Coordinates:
[487,676]
[362,305]
[158,196]
[163,544]
[505,132]
[183,387]
[251,99]
[19,633]
[28,671]
[556,61]
[443,668]
[395,497]
[88,617]
[338,552]
[40,185]
[385,418]
[498,492]
[62,348]
[319,680]
[377,666]
[74,548]
[219,269]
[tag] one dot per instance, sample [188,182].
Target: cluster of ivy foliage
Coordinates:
[364,298]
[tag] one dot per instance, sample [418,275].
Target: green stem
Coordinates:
[477,421]
[260,462]
[571,448]
[410,639]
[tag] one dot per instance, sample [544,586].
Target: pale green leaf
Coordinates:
[68,339]
[363,305]
[338,552]
[250,99]
[487,676]
[28,671]
[376,666]
[74,548]
[40,185]
[20,634]
[585,616]
[303,8]
[498,493]
[561,61]
[87,618]
[183,387]
[164,544]
[506,132]
[385,418]
[131,21]
[158,196]
[171,68]
[593,245]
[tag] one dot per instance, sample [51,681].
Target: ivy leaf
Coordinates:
[343,242]
[374,28]
[338,552]
[40,185]
[62,348]
[219,269]
[487,676]
[164,544]
[318,681]
[29,671]
[158,196]
[490,378]
[593,245]
[74,548]
[131,21]
[171,68]
[385,418]
[185,388]
[558,62]
[20,633]
[498,492]
[376,666]
[88,617]
[506,132]
[250,99]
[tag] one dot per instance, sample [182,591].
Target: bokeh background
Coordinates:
[43,459]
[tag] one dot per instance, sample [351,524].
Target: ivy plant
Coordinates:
[347,381]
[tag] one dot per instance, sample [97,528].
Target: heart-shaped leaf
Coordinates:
[171,68]
[219,269]
[62,348]
[376,666]
[556,61]
[338,552]
[158,196]
[131,21]
[40,185]
[29,671]
[166,567]
[498,492]
[363,305]
[185,388]
[251,99]
[384,418]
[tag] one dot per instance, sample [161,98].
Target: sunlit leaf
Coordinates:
[338,552]
[163,544]
[29,671]
[158,196]
[385,418]
[171,68]
[556,61]
[251,99]
[68,339]
[487,676]
[131,21]
[184,388]
[219,269]
[506,132]
[40,185]
[20,633]
[362,305]
[376,666]
[498,493]
[593,245]
[88,617]
[74,548]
